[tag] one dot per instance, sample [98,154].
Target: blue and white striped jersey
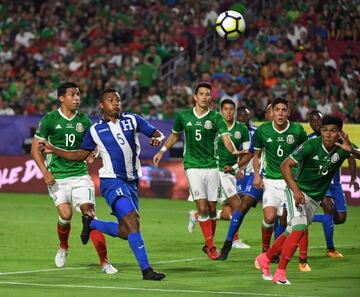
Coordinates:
[250,168]
[118,145]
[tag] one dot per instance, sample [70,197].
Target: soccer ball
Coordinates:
[230,25]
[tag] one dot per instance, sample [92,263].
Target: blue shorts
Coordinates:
[241,184]
[251,191]
[113,189]
[335,191]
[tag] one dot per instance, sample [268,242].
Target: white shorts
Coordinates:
[74,190]
[301,215]
[228,186]
[203,184]
[274,194]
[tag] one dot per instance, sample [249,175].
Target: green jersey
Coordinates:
[66,134]
[316,167]
[278,145]
[200,137]
[239,134]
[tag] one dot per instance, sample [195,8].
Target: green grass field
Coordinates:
[28,243]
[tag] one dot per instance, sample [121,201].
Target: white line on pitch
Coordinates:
[88,267]
[149,289]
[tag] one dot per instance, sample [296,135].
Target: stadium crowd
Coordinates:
[306,51]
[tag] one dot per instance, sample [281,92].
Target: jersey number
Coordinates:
[70,139]
[323,170]
[279,151]
[198,135]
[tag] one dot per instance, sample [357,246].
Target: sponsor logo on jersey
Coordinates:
[70,125]
[237,135]
[58,126]
[189,124]
[79,127]
[103,130]
[298,149]
[280,138]
[198,123]
[316,157]
[334,158]
[208,124]
[269,140]
[290,139]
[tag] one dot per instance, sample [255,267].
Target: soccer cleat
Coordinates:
[108,268]
[85,233]
[192,221]
[212,253]
[60,257]
[225,250]
[151,274]
[264,264]
[332,253]
[280,277]
[304,267]
[238,244]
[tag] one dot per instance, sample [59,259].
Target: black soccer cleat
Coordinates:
[225,250]
[151,274]
[85,233]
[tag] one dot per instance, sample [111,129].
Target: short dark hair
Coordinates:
[107,90]
[332,120]
[61,90]
[316,112]
[203,84]
[243,108]
[278,100]
[227,101]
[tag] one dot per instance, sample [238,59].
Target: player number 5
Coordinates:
[198,135]
[279,151]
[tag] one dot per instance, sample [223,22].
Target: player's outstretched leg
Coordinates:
[85,233]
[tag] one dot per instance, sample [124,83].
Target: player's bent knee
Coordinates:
[340,218]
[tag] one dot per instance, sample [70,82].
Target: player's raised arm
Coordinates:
[77,155]
[39,160]
[347,146]
[172,139]
[352,168]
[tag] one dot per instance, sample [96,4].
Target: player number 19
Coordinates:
[69,139]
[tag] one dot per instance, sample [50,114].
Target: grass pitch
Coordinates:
[28,243]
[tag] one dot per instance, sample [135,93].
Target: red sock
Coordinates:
[236,236]
[213,226]
[266,237]
[303,245]
[289,248]
[206,228]
[276,247]
[63,234]
[98,239]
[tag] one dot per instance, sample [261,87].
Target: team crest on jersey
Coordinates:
[208,124]
[290,139]
[334,158]
[79,127]
[237,135]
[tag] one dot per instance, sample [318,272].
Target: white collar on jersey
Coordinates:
[282,131]
[65,117]
[199,117]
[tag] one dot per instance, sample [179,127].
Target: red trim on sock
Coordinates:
[303,245]
[98,239]
[63,234]
[236,236]
[266,234]
[276,247]
[289,248]
[206,228]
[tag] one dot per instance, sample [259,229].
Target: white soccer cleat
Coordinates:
[238,244]
[60,257]
[192,221]
[109,269]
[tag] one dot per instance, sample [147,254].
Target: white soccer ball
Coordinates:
[230,25]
